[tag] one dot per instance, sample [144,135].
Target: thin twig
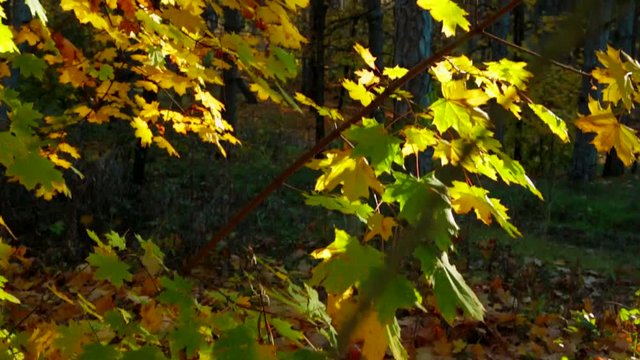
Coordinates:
[533,53]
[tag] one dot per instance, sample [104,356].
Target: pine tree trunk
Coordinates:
[583,167]
[624,40]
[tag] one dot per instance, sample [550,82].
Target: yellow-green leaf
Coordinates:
[353,173]
[448,12]
[615,77]
[557,125]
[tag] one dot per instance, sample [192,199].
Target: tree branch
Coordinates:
[320,145]
[535,54]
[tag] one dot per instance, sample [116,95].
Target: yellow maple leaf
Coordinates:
[465,197]
[353,173]
[364,52]
[366,77]
[610,133]
[358,92]
[182,18]
[66,148]
[448,12]
[142,131]
[380,225]
[369,331]
[616,78]
[75,76]
[162,143]
[395,72]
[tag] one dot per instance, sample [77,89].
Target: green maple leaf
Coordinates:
[303,354]
[340,203]
[512,72]
[448,12]
[452,291]
[424,202]
[282,63]
[33,170]
[240,344]
[346,263]
[105,72]
[397,293]
[373,141]
[146,352]
[176,292]
[120,321]
[447,114]
[110,267]
[555,124]
[23,119]
[417,140]
[30,65]
[286,329]
[70,338]
[99,352]
[186,337]
[12,148]
[460,108]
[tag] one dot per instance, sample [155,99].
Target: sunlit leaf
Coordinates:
[353,173]
[465,197]
[610,133]
[373,141]
[615,77]
[369,59]
[448,12]
[358,92]
[340,203]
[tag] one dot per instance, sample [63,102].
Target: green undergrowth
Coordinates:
[594,226]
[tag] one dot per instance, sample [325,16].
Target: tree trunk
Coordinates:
[518,38]
[499,51]
[412,44]
[583,166]
[376,31]
[624,40]
[232,23]
[313,72]
[376,41]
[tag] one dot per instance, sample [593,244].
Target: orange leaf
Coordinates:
[69,52]
[128,7]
